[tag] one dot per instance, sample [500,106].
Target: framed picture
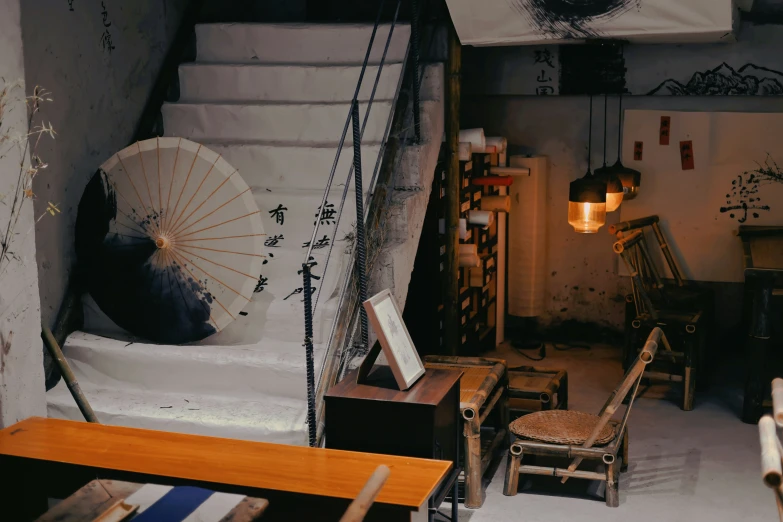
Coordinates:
[394,338]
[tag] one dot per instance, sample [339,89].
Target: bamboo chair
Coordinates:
[581,436]
[683,314]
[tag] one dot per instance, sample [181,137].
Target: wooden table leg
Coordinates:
[758,340]
[22,497]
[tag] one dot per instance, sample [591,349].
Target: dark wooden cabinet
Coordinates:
[379,418]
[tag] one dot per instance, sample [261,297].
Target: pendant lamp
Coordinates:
[630,178]
[587,195]
[614,187]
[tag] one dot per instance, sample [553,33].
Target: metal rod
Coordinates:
[361,247]
[342,136]
[361,137]
[68,376]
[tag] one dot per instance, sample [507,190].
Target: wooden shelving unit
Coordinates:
[478,286]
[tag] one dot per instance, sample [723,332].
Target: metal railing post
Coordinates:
[312,427]
[361,246]
[415,49]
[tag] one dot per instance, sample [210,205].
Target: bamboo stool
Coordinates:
[482,390]
[532,389]
[576,435]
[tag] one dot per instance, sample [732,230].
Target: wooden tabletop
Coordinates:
[294,469]
[381,386]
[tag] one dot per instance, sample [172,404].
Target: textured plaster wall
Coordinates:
[21,370]
[583,283]
[99,93]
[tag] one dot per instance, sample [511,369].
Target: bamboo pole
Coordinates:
[660,376]
[771,472]
[359,507]
[557,472]
[462,361]
[777,400]
[668,254]
[451,265]
[648,260]
[626,242]
[632,224]
[490,405]
[70,378]
[545,449]
[637,282]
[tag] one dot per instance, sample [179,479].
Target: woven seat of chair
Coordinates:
[560,427]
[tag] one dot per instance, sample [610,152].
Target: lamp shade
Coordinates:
[614,187]
[587,204]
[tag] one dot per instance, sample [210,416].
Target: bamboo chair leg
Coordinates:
[512,475]
[689,379]
[626,444]
[474,497]
[612,486]
[504,416]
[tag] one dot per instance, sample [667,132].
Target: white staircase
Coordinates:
[272,99]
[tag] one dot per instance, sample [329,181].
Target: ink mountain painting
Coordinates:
[748,80]
[540,22]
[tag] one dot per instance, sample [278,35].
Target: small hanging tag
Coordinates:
[638,149]
[686,155]
[663,133]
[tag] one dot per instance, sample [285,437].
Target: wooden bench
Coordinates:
[43,458]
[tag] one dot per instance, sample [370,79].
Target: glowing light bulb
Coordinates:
[586,218]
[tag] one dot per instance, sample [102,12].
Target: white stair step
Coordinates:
[268,418]
[305,123]
[298,43]
[291,166]
[200,82]
[244,371]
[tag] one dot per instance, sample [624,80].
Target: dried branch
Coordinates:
[26,144]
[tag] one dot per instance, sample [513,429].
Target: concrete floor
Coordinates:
[684,466]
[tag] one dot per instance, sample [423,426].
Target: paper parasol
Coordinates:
[169,238]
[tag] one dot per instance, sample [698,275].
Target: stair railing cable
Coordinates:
[361,137]
[309,262]
[340,348]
